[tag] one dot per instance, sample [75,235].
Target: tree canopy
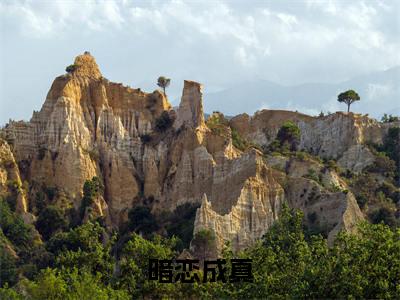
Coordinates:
[348,97]
[163,82]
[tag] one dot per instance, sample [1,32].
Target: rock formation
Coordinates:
[146,153]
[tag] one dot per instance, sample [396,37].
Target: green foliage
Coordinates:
[389,118]
[218,124]
[14,228]
[163,122]
[50,192]
[348,97]
[204,244]
[8,264]
[15,235]
[289,134]
[50,220]
[83,246]
[134,267]
[141,220]
[71,284]
[71,68]
[239,142]
[391,148]
[91,189]
[313,175]
[40,201]
[289,265]
[181,224]
[332,165]
[163,82]
[382,165]
[384,215]
[9,294]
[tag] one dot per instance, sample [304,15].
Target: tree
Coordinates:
[50,220]
[91,189]
[163,82]
[141,220]
[348,97]
[204,244]
[389,118]
[163,122]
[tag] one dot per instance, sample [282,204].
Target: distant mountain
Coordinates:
[379,92]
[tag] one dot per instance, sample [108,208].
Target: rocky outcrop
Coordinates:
[338,136]
[190,111]
[249,217]
[146,153]
[11,187]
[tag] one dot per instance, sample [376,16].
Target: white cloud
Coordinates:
[376,91]
[218,42]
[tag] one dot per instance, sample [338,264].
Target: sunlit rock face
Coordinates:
[340,136]
[146,153]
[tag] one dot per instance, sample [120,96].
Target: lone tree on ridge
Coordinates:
[348,97]
[163,82]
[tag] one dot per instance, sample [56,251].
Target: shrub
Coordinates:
[332,166]
[289,134]
[71,68]
[40,201]
[384,215]
[163,122]
[312,174]
[204,244]
[181,223]
[239,142]
[14,228]
[50,220]
[389,118]
[91,189]
[383,165]
[142,220]
[51,192]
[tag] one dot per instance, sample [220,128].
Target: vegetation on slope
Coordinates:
[287,262]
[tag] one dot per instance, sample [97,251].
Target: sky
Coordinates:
[218,43]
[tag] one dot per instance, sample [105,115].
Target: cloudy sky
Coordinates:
[218,43]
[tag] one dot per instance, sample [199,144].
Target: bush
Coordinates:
[51,192]
[389,118]
[14,228]
[239,142]
[50,220]
[384,215]
[204,244]
[40,201]
[71,68]
[163,122]
[91,189]
[362,200]
[312,174]
[383,165]
[142,220]
[181,223]
[289,133]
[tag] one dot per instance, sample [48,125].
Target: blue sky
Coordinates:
[218,43]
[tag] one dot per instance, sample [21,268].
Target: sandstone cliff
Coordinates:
[146,153]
